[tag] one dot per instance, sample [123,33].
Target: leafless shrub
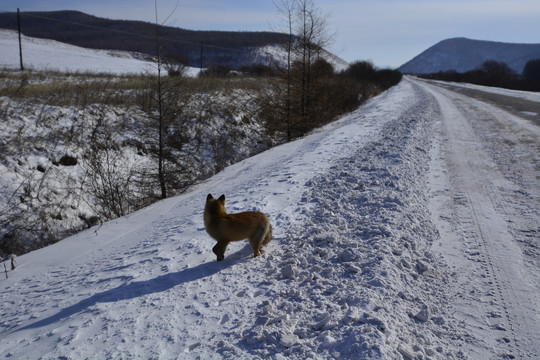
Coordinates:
[25,220]
[111,182]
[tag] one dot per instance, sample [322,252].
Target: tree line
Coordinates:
[497,74]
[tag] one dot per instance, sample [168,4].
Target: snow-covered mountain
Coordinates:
[375,252]
[461,55]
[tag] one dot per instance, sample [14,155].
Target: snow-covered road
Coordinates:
[407,229]
[486,205]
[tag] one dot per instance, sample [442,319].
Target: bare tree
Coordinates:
[312,31]
[308,33]
[159,94]
[168,98]
[287,9]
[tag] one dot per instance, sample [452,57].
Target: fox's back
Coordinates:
[236,226]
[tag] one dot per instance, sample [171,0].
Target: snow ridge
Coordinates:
[359,255]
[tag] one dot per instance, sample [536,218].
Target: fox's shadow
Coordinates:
[141,288]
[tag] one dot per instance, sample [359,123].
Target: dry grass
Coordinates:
[62,89]
[81,89]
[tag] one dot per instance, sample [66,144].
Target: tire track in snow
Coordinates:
[492,272]
[494,295]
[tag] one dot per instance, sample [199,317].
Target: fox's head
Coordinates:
[214,206]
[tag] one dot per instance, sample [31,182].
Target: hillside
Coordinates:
[50,55]
[461,55]
[233,49]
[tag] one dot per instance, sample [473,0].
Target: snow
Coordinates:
[41,195]
[272,54]
[405,229]
[43,54]
[480,203]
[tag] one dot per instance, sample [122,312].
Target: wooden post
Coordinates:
[20,45]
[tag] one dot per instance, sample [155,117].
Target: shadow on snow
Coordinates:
[141,288]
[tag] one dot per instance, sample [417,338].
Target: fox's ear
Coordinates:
[209,197]
[222,198]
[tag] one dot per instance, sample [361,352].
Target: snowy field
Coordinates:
[407,229]
[41,54]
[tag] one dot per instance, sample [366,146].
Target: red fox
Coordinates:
[225,228]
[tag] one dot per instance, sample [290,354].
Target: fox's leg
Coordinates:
[219,249]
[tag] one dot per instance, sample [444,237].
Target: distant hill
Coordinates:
[463,54]
[232,49]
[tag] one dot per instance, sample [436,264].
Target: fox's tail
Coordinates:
[268,235]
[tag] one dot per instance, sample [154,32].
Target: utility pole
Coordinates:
[201,58]
[20,45]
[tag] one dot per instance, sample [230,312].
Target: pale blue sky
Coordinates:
[387,32]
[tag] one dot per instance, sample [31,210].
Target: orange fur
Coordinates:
[224,228]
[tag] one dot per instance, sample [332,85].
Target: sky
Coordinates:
[386,32]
